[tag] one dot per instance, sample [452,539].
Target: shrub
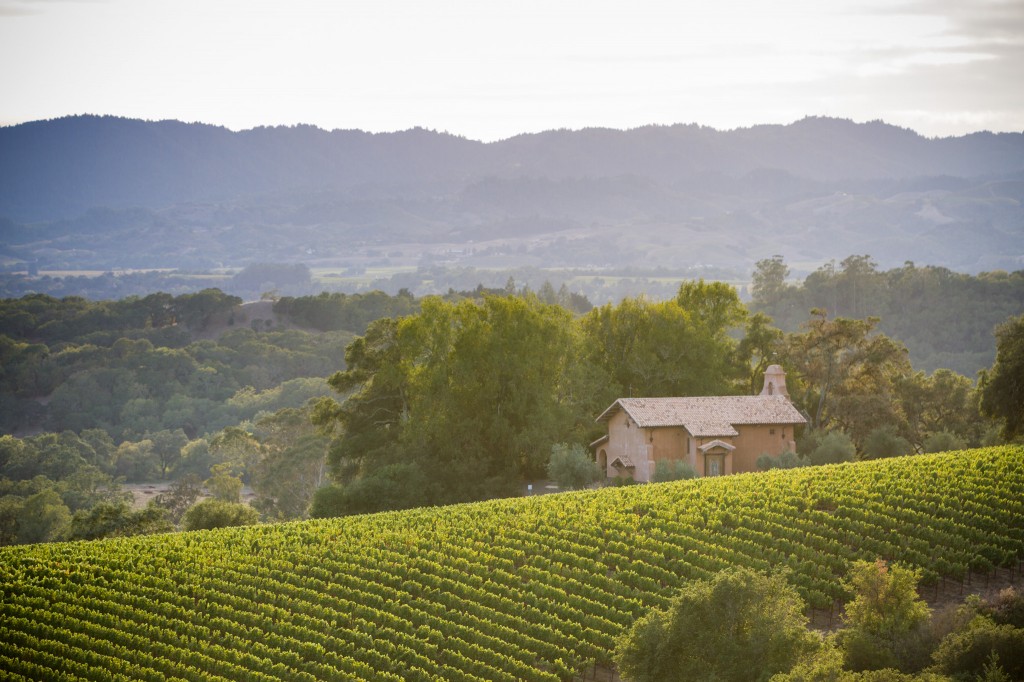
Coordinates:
[1008,608]
[571,467]
[885,442]
[787,460]
[677,470]
[218,514]
[741,625]
[943,441]
[833,448]
[395,486]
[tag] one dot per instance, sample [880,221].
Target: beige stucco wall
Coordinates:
[757,439]
[626,439]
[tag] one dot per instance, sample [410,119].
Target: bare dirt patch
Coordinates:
[143,493]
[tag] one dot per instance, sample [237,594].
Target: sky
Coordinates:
[491,69]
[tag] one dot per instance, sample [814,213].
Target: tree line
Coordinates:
[441,399]
[944,318]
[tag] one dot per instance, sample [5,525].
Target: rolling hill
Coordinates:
[517,589]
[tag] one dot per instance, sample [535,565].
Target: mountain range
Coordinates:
[102,192]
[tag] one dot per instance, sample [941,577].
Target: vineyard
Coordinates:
[518,589]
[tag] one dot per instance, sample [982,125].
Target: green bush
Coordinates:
[395,486]
[677,470]
[943,441]
[885,442]
[968,651]
[571,467]
[219,514]
[787,460]
[740,626]
[834,447]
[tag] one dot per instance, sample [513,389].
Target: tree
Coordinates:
[137,461]
[883,617]
[758,349]
[741,625]
[219,514]
[167,447]
[943,402]
[196,310]
[43,518]
[487,392]
[235,450]
[293,466]
[1002,387]
[118,519]
[473,392]
[841,372]
[368,423]
[571,467]
[223,485]
[680,347]
[768,283]
[180,495]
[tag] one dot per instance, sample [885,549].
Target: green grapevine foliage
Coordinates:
[518,589]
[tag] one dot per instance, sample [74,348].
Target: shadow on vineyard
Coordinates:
[516,589]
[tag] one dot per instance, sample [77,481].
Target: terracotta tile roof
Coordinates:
[707,415]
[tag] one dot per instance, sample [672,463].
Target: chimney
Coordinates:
[775,381]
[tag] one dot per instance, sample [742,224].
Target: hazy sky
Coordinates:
[489,69]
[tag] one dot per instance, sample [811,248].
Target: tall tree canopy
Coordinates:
[842,372]
[472,393]
[1003,386]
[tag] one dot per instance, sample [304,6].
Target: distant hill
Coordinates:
[103,192]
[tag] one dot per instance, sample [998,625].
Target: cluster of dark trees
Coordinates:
[742,626]
[464,399]
[68,486]
[145,390]
[944,318]
[139,365]
[441,399]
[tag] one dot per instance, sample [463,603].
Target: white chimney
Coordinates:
[774,381]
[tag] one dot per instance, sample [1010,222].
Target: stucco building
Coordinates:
[716,435]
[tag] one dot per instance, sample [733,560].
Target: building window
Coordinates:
[771,432]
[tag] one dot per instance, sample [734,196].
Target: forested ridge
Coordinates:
[105,193]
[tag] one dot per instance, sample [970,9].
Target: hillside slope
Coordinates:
[519,589]
[91,192]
